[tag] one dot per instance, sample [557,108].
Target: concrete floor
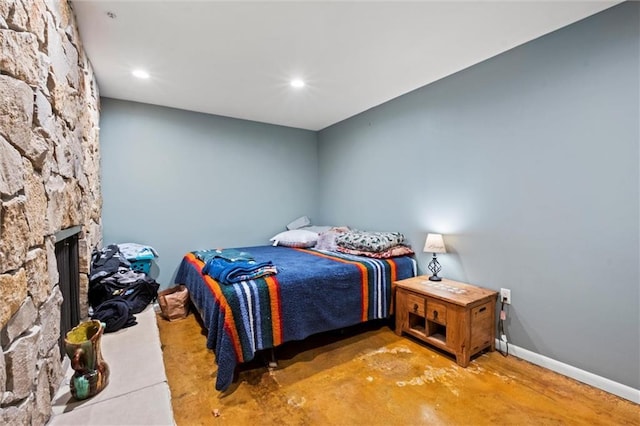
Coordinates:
[368,375]
[137,393]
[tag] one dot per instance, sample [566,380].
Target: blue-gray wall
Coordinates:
[181,181]
[528,164]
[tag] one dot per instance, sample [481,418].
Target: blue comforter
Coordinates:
[313,292]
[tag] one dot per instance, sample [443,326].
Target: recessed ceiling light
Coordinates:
[297,83]
[140,73]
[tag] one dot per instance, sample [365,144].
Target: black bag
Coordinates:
[138,293]
[115,314]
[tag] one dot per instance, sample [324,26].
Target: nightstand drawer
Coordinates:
[415,304]
[436,312]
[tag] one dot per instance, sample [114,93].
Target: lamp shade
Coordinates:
[434,244]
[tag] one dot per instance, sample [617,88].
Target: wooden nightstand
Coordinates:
[455,317]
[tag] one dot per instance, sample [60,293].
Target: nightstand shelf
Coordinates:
[455,317]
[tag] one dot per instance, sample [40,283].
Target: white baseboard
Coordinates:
[607,385]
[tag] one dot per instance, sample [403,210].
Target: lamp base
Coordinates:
[434,268]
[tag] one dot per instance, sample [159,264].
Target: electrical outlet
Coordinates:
[505,295]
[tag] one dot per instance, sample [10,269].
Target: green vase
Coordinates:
[82,345]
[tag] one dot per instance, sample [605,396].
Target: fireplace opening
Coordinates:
[68,262]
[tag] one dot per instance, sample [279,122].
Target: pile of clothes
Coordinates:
[137,251]
[229,266]
[116,291]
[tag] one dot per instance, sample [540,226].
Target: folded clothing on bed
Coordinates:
[229,254]
[369,241]
[226,271]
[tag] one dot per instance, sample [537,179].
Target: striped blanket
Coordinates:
[313,292]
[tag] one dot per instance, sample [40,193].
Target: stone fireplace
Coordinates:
[49,183]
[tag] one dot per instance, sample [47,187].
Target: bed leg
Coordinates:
[273,362]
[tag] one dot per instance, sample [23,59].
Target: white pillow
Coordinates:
[296,238]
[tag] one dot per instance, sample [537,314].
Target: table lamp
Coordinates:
[434,244]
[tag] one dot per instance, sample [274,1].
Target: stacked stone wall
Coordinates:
[49,181]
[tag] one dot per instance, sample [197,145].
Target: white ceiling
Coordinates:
[236,58]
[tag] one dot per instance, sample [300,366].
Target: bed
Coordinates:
[314,291]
